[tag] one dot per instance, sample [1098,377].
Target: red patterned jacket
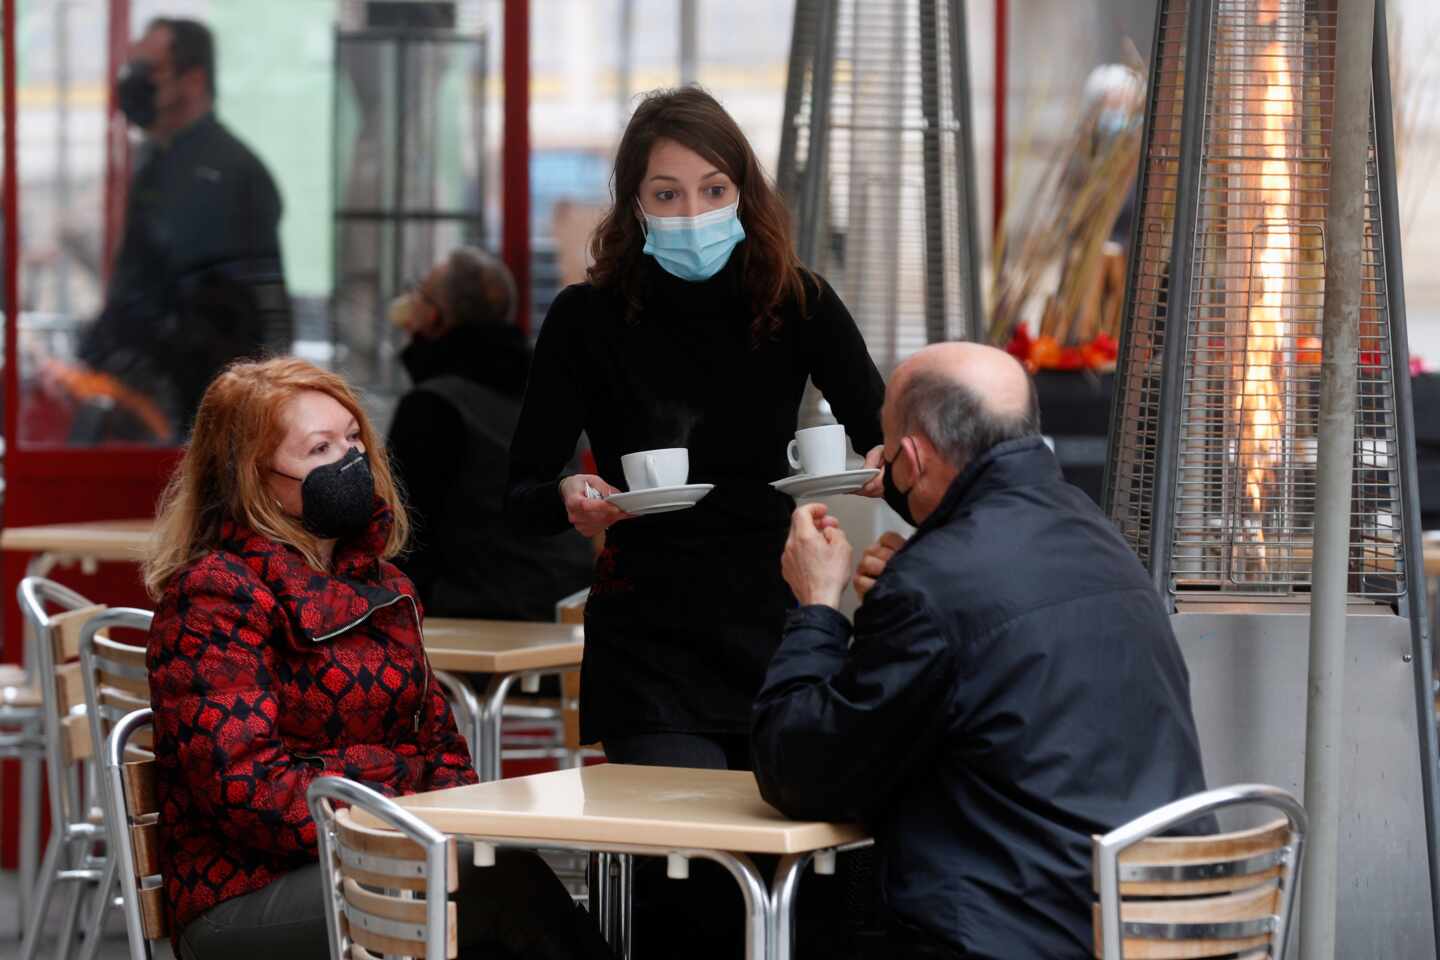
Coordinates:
[265,674]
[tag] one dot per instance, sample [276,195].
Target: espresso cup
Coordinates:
[656,468]
[818,451]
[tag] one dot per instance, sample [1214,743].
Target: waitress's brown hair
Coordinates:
[772,276]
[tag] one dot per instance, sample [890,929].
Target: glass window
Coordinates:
[153,251]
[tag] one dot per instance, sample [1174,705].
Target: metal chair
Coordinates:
[117,683]
[363,867]
[76,823]
[131,790]
[22,738]
[1228,894]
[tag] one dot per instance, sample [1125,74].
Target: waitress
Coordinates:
[697,328]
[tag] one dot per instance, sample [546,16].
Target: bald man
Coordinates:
[1012,685]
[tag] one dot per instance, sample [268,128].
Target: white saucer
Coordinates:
[638,503]
[803,486]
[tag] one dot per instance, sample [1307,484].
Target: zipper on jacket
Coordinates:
[419,632]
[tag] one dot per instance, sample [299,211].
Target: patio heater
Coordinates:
[877,165]
[1212,463]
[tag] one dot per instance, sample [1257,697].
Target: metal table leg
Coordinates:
[623,904]
[487,730]
[610,898]
[601,892]
[462,697]
[785,887]
[783,890]
[759,911]
[614,885]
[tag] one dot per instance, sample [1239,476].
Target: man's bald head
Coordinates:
[964,398]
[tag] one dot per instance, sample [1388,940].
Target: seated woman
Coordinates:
[286,647]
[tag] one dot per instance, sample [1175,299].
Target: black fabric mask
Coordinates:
[135,94]
[336,500]
[897,499]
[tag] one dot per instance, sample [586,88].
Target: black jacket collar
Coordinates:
[493,355]
[1014,463]
[320,603]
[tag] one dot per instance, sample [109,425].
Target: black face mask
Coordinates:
[897,499]
[336,500]
[135,94]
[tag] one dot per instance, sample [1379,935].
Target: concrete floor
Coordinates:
[114,946]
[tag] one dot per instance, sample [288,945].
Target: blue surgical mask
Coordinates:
[694,248]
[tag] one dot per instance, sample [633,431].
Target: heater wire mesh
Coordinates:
[1245,474]
[893,213]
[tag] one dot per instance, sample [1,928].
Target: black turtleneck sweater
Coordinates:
[687,607]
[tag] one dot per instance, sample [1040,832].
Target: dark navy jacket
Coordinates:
[1013,687]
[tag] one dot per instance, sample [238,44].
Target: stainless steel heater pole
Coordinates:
[1344,267]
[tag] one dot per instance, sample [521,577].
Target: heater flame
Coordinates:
[1259,402]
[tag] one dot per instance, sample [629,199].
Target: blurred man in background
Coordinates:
[198,280]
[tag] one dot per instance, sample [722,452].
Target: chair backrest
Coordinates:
[1228,894]
[116,679]
[364,868]
[136,839]
[62,688]
[571,610]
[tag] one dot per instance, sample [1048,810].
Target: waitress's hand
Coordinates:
[875,486]
[590,516]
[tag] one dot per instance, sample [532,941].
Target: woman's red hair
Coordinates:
[222,475]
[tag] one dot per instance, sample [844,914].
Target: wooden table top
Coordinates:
[113,540]
[501,646]
[615,803]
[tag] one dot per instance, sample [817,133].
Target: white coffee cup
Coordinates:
[818,451]
[656,468]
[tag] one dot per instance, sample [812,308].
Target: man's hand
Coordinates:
[816,561]
[875,486]
[874,560]
[590,515]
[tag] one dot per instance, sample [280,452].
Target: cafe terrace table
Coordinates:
[89,543]
[671,812]
[508,651]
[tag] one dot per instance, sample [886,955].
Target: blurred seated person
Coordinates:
[201,210]
[1009,687]
[285,647]
[450,441]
